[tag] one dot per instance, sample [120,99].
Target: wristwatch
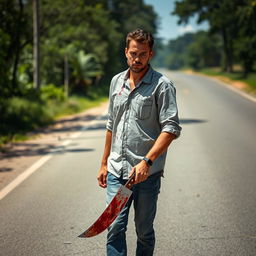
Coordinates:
[148,161]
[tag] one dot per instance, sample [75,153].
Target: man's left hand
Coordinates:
[141,170]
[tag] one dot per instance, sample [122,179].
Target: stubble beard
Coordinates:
[138,70]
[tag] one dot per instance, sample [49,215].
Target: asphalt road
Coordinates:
[207,204]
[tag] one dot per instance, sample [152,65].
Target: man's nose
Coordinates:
[137,59]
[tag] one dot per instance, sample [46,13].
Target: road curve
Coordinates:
[207,204]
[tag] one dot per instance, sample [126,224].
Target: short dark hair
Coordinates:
[141,36]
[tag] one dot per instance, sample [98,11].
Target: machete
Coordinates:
[112,211]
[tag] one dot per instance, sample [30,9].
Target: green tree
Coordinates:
[177,51]
[86,69]
[160,53]
[96,27]
[15,31]
[204,51]
[130,15]
[87,27]
[245,43]
[217,14]
[234,20]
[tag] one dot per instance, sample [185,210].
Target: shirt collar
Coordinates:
[147,78]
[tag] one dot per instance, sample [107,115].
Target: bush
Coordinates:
[33,109]
[23,115]
[51,92]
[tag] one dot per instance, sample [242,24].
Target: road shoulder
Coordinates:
[236,86]
[19,156]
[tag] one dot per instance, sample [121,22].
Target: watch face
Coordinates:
[149,162]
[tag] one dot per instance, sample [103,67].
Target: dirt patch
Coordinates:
[237,84]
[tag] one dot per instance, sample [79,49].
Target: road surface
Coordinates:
[207,204]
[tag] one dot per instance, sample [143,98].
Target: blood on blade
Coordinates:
[109,215]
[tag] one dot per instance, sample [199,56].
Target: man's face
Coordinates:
[138,56]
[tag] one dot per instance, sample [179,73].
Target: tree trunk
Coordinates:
[66,75]
[247,66]
[17,49]
[227,44]
[36,47]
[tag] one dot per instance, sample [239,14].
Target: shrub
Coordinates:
[51,92]
[23,115]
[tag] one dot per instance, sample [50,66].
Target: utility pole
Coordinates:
[36,46]
[66,72]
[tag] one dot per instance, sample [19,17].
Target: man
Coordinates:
[142,122]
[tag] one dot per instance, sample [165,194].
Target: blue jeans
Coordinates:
[144,199]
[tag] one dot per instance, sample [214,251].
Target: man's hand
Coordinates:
[141,170]
[102,176]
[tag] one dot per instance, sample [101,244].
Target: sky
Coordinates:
[168,27]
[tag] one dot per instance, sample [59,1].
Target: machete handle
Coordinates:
[131,181]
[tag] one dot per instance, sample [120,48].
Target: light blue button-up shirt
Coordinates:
[136,119]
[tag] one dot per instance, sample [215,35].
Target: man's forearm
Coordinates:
[161,145]
[107,148]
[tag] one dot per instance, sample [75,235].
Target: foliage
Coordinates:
[204,51]
[196,50]
[18,118]
[130,15]
[14,32]
[87,36]
[85,67]
[87,28]
[96,28]
[234,21]
[23,114]
[51,92]
[178,51]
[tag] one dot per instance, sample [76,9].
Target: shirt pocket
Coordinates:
[118,104]
[143,107]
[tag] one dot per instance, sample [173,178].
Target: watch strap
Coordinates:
[148,161]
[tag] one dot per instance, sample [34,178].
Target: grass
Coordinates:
[25,115]
[76,104]
[237,76]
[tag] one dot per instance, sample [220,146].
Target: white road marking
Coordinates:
[33,168]
[66,142]
[11,186]
[234,89]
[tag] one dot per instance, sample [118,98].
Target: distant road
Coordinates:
[207,204]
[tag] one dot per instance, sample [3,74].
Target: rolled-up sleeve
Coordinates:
[109,124]
[167,109]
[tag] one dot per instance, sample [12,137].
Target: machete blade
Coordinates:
[112,211]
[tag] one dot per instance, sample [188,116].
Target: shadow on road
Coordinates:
[5,169]
[192,121]
[59,131]
[96,127]
[72,125]
[62,150]
[40,150]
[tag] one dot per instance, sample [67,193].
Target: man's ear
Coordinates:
[151,54]
[126,51]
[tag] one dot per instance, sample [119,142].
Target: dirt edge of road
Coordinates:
[19,156]
[239,85]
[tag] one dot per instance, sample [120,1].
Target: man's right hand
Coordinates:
[102,176]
